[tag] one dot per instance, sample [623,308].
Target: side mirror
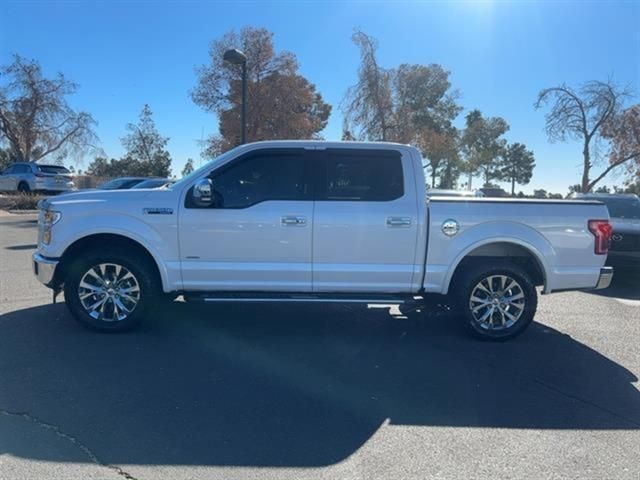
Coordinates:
[202,193]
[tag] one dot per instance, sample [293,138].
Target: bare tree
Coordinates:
[35,118]
[368,104]
[582,115]
[406,104]
[623,131]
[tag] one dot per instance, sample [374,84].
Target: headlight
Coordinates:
[51,217]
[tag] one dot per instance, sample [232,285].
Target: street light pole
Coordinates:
[236,57]
[243,120]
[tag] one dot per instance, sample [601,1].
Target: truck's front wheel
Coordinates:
[499,300]
[109,291]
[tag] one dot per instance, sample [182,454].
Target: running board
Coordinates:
[295,297]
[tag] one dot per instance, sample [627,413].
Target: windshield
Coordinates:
[622,207]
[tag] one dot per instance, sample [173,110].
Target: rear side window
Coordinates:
[21,169]
[374,176]
[262,177]
[55,169]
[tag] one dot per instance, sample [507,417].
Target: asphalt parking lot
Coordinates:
[302,391]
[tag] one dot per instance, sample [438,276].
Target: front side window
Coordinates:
[259,178]
[21,169]
[362,176]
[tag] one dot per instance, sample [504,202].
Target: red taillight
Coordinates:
[602,230]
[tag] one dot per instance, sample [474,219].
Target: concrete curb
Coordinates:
[7,213]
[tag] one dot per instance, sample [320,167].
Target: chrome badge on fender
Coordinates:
[157,211]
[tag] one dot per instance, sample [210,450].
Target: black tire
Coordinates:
[144,275]
[23,187]
[519,302]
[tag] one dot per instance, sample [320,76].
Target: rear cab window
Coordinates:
[360,175]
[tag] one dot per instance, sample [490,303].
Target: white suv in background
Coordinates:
[31,177]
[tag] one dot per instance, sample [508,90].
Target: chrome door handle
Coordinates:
[398,222]
[293,221]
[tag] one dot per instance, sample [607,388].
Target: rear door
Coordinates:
[365,221]
[22,173]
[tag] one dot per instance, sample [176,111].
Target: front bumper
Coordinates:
[606,275]
[44,268]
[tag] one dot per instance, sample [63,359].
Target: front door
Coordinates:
[258,235]
[365,222]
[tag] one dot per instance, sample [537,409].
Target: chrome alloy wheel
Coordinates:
[497,302]
[109,292]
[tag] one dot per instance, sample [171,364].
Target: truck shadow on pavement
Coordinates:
[289,385]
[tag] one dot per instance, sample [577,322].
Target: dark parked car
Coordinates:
[153,183]
[123,183]
[493,192]
[624,210]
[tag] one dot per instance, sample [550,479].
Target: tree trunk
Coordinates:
[513,186]
[433,178]
[586,167]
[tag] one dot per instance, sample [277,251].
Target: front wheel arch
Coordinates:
[100,241]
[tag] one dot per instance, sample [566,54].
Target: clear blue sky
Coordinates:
[125,54]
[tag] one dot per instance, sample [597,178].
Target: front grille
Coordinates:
[625,242]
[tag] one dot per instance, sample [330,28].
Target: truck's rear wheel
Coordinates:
[109,291]
[499,300]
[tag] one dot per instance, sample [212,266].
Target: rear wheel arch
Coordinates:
[524,256]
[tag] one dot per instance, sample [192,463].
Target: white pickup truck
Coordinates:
[316,221]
